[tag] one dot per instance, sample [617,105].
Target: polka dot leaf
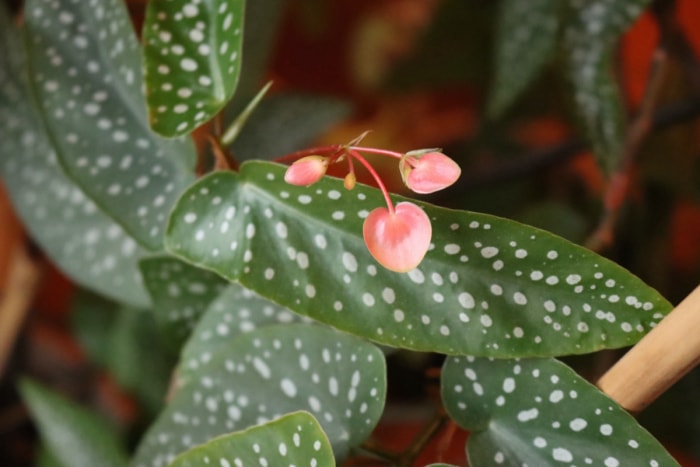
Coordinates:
[180,294]
[87,77]
[540,412]
[261,375]
[526,36]
[488,286]
[192,57]
[589,42]
[87,245]
[236,310]
[293,439]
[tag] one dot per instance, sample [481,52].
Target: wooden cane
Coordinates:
[658,360]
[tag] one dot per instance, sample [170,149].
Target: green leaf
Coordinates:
[266,373]
[75,436]
[137,358]
[87,245]
[235,311]
[526,36]
[488,286]
[86,75]
[540,412]
[294,439]
[589,43]
[180,293]
[294,119]
[192,59]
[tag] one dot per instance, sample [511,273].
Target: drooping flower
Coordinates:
[306,171]
[400,239]
[428,171]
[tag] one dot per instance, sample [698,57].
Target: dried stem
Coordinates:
[620,181]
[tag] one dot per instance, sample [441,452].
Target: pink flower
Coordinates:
[398,240]
[427,172]
[306,171]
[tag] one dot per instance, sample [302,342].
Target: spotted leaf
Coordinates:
[487,286]
[192,59]
[540,412]
[180,294]
[86,75]
[294,439]
[73,435]
[236,310]
[589,41]
[261,375]
[86,244]
[526,37]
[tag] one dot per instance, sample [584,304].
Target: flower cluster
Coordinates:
[398,237]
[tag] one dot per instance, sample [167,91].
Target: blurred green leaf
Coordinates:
[92,320]
[526,36]
[192,59]
[589,41]
[293,119]
[86,75]
[539,412]
[488,286]
[86,244]
[261,375]
[137,358]
[294,439]
[74,436]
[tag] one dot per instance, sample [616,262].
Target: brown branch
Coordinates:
[621,179]
[22,282]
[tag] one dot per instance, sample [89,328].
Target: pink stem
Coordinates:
[352,152]
[381,152]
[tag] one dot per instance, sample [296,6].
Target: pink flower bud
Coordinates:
[428,172]
[306,171]
[400,240]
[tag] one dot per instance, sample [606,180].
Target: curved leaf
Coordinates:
[192,58]
[86,74]
[525,41]
[85,244]
[539,412]
[180,294]
[263,374]
[74,436]
[589,42]
[294,439]
[488,286]
[236,310]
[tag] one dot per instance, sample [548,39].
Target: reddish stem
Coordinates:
[381,152]
[352,152]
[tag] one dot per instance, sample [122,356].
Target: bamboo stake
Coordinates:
[660,359]
[23,279]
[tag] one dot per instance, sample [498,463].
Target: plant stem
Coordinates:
[438,422]
[380,152]
[620,181]
[380,184]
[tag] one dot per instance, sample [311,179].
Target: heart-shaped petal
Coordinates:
[400,240]
[429,172]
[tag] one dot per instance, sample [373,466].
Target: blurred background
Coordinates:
[418,74]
